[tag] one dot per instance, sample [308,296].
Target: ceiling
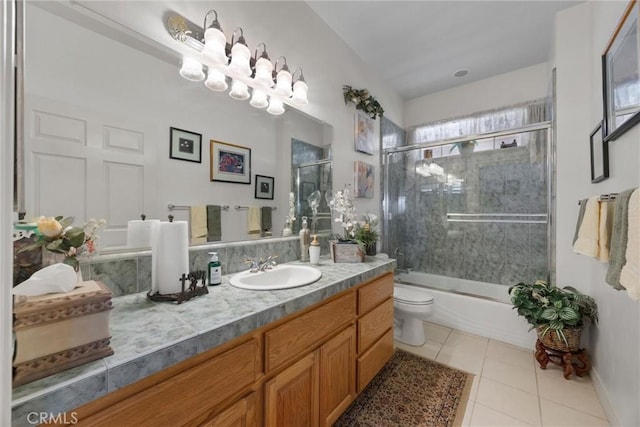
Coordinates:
[416,46]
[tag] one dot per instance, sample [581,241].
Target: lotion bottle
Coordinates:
[304,240]
[314,250]
[214,270]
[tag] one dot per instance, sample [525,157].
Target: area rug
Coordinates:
[411,391]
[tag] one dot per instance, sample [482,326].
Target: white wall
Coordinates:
[581,35]
[517,86]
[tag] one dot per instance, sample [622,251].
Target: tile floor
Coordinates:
[509,388]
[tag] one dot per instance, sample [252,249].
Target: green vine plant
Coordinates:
[363,101]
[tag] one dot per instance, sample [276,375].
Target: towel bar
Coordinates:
[172,207]
[606,197]
[238,207]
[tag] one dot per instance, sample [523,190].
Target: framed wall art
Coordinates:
[185,145]
[364,133]
[264,187]
[230,163]
[621,75]
[599,155]
[364,180]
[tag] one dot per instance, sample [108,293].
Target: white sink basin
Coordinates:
[282,276]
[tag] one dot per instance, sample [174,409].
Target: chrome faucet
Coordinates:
[262,264]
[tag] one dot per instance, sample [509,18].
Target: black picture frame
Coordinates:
[185,145]
[264,187]
[230,162]
[624,36]
[599,149]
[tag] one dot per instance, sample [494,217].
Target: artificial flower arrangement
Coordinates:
[342,204]
[58,236]
[363,101]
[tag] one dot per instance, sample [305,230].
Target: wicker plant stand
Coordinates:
[572,359]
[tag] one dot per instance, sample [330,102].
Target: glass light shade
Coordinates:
[240,57]
[216,80]
[275,106]
[259,99]
[214,46]
[264,70]
[191,69]
[283,83]
[300,90]
[239,91]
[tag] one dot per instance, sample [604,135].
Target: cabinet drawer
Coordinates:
[241,413]
[189,393]
[370,363]
[374,324]
[374,293]
[289,340]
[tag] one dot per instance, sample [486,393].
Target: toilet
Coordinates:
[411,306]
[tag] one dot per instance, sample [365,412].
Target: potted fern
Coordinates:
[558,314]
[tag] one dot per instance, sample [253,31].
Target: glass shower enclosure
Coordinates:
[470,214]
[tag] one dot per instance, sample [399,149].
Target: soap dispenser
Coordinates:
[314,251]
[304,240]
[214,271]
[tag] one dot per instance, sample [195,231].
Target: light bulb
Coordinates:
[239,91]
[259,99]
[191,69]
[240,57]
[275,106]
[216,80]
[283,83]
[264,70]
[214,46]
[300,90]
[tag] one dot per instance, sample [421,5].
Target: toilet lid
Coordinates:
[412,295]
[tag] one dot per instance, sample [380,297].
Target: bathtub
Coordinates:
[457,306]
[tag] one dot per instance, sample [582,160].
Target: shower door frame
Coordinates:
[541,126]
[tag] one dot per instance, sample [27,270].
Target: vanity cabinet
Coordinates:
[302,370]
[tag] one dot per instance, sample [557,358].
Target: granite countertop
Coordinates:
[150,336]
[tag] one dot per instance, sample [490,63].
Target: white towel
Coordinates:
[587,242]
[253,222]
[198,222]
[630,274]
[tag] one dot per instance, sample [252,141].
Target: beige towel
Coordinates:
[630,275]
[253,222]
[604,231]
[198,223]
[587,242]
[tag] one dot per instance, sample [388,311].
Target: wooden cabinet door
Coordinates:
[337,375]
[291,397]
[240,414]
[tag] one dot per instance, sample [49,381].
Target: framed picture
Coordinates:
[185,145]
[364,180]
[621,75]
[264,187]
[364,133]
[599,155]
[230,163]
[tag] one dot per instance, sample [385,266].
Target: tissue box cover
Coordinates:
[54,332]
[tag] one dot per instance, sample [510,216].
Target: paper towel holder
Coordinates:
[188,292]
[170,218]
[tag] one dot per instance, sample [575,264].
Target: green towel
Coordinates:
[214,227]
[265,219]
[619,237]
[583,206]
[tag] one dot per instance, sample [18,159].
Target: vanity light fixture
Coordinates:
[269,86]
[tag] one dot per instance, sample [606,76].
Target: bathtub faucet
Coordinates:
[405,270]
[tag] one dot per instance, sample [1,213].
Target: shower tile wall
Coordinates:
[511,180]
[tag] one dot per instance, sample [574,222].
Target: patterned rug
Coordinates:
[411,391]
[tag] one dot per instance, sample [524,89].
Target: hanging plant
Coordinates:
[363,101]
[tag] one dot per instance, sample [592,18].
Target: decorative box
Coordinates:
[345,252]
[54,332]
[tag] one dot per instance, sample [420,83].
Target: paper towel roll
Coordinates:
[170,256]
[139,233]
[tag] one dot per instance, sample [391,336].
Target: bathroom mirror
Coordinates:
[99,103]
[621,75]
[311,183]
